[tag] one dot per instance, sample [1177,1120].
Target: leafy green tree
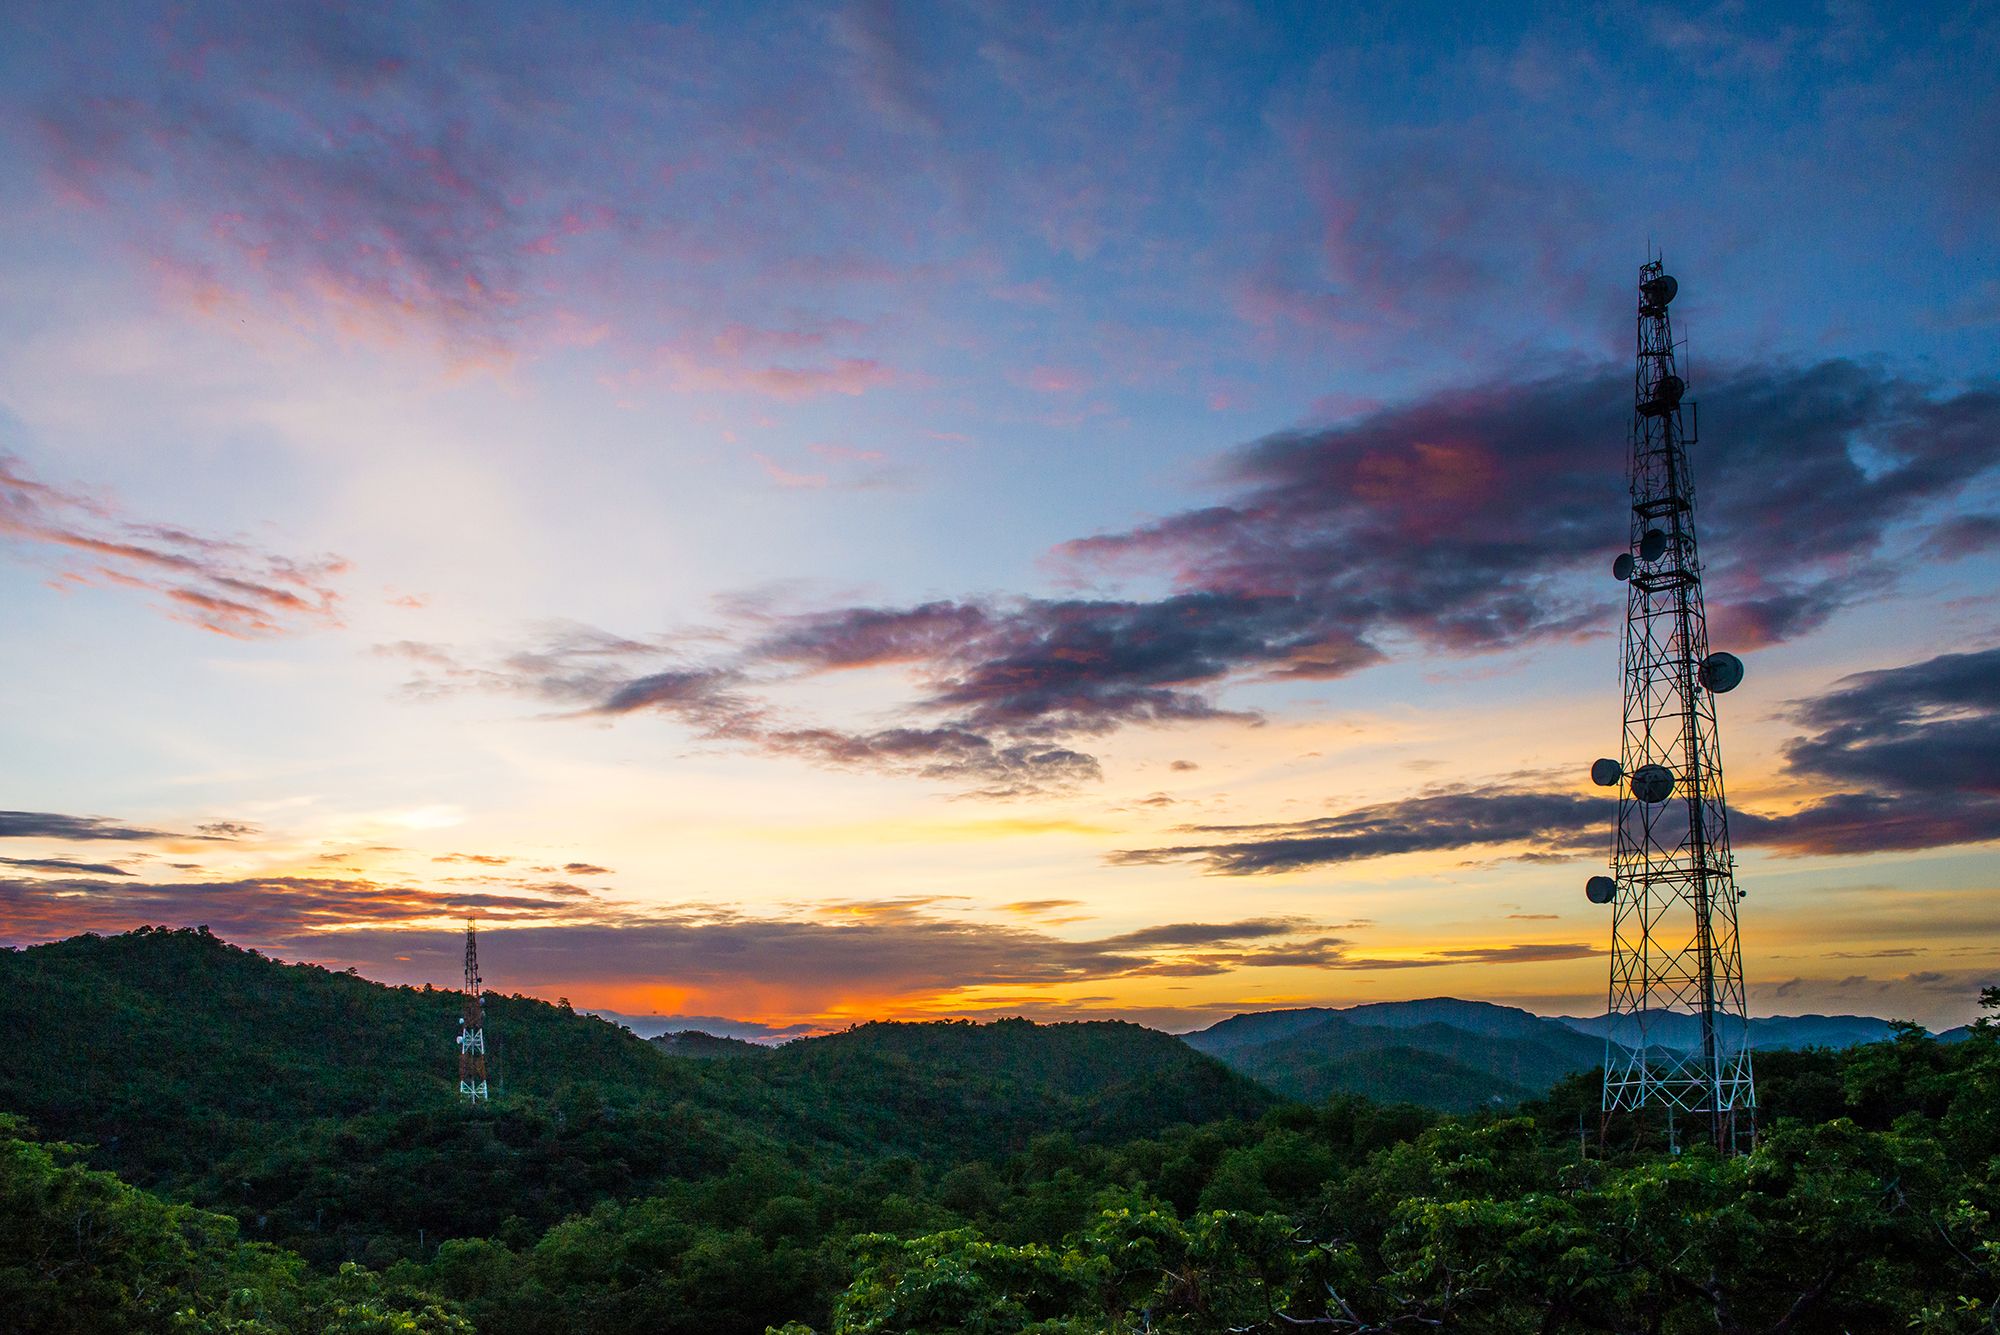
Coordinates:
[81,1252]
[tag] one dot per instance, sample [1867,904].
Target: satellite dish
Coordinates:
[1653,783]
[1621,568]
[1721,672]
[1606,773]
[1653,545]
[1659,291]
[1666,396]
[1600,889]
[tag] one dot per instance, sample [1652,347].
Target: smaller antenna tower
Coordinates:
[472,1028]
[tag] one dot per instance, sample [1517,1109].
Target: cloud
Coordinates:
[585,869]
[1039,907]
[63,864]
[1931,727]
[1372,524]
[328,163]
[52,825]
[257,910]
[1965,535]
[1331,550]
[1204,934]
[1917,741]
[1458,818]
[785,477]
[583,669]
[369,174]
[219,584]
[1920,738]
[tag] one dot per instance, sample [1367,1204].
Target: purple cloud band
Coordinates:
[1463,522]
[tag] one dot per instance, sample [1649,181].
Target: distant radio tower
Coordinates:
[1676,968]
[472,1029]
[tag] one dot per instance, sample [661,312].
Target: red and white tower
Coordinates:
[472,1028]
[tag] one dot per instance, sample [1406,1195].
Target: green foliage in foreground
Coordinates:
[1822,1229]
[888,1180]
[81,1252]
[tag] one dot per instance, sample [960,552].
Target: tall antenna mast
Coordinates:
[472,1029]
[1678,1035]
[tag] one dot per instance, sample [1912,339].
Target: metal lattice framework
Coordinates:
[1678,1036]
[472,1028]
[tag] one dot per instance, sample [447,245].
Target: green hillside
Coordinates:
[705,1046]
[1445,1054]
[321,1108]
[1316,1065]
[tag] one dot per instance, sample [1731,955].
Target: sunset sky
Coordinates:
[808,513]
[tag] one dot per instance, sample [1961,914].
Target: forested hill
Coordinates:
[312,1098]
[1441,1053]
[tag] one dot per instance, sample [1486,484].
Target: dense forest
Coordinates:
[199,1139]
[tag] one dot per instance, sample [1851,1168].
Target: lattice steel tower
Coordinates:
[472,1028]
[1678,1034]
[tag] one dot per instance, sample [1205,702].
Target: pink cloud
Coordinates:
[845,454]
[784,477]
[1054,380]
[218,584]
[850,376]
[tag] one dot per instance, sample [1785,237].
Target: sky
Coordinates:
[809,513]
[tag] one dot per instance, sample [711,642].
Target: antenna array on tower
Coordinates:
[1674,952]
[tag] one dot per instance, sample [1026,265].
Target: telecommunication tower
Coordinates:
[472,1028]
[1678,1036]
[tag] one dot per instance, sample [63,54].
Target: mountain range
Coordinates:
[1455,1055]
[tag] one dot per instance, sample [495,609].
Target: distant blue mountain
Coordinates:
[1451,1054]
[1777,1031]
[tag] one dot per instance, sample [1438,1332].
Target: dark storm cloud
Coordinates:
[1467,521]
[53,825]
[1433,821]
